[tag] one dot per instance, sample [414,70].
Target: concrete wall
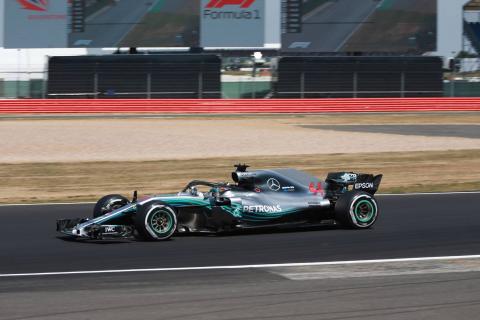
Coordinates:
[273,24]
[2,21]
[450,27]
[15,63]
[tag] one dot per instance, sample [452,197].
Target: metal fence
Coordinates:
[138,86]
[359,77]
[135,76]
[23,84]
[356,85]
[26,85]
[461,88]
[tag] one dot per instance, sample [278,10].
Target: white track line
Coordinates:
[237,267]
[380,194]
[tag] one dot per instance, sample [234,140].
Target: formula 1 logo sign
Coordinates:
[34,5]
[44,9]
[219,4]
[232,23]
[35,23]
[231,10]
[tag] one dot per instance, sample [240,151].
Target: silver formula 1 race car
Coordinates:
[256,199]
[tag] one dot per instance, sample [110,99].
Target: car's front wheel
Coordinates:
[155,221]
[356,209]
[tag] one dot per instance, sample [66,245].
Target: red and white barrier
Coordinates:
[243,106]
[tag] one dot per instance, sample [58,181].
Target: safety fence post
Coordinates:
[355,85]
[302,85]
[149,85]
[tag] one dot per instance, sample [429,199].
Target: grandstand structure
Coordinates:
[473,5]
[471,27]
[30,73]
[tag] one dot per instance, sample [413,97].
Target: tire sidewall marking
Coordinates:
[151,231]
[352,211]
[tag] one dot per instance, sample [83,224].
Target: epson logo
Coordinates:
[262,209]
[365,185]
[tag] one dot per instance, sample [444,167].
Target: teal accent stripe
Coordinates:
[158,7]
[121,213]
[387,4]
[186,202]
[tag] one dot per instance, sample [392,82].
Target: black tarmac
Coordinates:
[410,226]
[433,130]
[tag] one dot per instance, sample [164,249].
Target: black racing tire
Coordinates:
[108,204]
[155,221]
[356,210]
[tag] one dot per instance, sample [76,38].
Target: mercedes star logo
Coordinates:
[273,184]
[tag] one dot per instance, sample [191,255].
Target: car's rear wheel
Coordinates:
[356,209]
[155,221]
[108,204]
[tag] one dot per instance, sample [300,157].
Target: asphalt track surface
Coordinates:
[240,295]
[329,29]
[410,226]
[434,130]
[108,27]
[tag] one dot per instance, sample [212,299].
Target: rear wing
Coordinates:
[359,181]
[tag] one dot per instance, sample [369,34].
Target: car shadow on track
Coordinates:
[276,230]
[93,241]
[223,234]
